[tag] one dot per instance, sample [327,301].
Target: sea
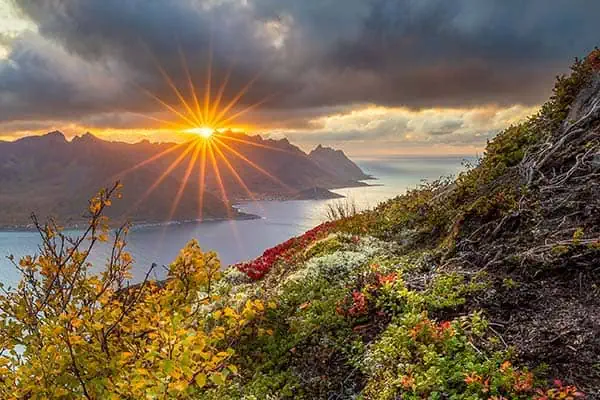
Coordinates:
[239,240]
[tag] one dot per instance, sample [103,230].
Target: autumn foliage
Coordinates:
[285,251]
[67,333]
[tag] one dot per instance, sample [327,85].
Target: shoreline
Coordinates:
[241,216]
[138,224]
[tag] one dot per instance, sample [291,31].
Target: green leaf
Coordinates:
[167,366]
[217,378]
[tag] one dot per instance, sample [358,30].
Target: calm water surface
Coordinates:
[236,241]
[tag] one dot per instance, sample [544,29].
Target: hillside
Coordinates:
[336,162]
[485,287]
[52,176]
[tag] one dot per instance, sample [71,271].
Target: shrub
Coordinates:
[420,358]
[66,333]
[286,251]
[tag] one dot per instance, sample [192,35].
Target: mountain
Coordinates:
[337,163]
[50,175]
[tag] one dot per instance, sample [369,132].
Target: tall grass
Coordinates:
[341,209]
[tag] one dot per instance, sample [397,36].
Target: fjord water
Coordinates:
[236,241]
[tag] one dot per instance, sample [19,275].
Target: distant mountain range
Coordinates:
[52,176]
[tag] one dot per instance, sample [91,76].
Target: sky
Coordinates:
[368,76]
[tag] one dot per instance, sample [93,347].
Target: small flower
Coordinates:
[473,378]
[387,279]
[524,382]
[407,382]
[505,366]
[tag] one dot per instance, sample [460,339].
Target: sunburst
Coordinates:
[204,131]
[209,121]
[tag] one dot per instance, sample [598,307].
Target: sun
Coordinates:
[204,131]
[210,120]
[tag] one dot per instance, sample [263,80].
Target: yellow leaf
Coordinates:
[179,386]
[233,368]
[200,379]
[76,323]
[229,312]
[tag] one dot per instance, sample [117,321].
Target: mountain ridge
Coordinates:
[52,174]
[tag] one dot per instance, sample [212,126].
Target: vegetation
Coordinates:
[483,287]
[67,333]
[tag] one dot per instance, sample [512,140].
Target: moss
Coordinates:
[450,291]
[323,247]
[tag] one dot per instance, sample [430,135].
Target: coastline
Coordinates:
[240,216]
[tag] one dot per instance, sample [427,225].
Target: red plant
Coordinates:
[594,59]
[428,330]
[523,382]
[353,306]
[258,267]
[559,391]
[407,381]
[385,279]
[360,304]
[473,378]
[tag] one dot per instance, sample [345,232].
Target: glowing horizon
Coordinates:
[208,122]
[204,131]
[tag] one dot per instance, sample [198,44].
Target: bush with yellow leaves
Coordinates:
[67,333]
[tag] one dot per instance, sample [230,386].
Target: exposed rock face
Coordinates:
[550,246]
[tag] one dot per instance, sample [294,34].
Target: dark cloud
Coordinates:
[89,56]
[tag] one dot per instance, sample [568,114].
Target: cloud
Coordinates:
[42,79]
[409,127]
[86,60]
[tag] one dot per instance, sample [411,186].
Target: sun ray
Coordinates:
[220,92]
[184,181]
[149,160]
[206,115]
[164,175]
[243,111]
[192,88]
[237,97]
[169,81]
[208,84]
[219,178]
[253,164]
[202,179]
[163,121]
[234,231]
[173,87]
[264,146]
[168,106]
[234,172]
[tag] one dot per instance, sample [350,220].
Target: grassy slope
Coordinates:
[484,287]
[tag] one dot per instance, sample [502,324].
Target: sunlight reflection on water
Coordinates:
[280,220]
